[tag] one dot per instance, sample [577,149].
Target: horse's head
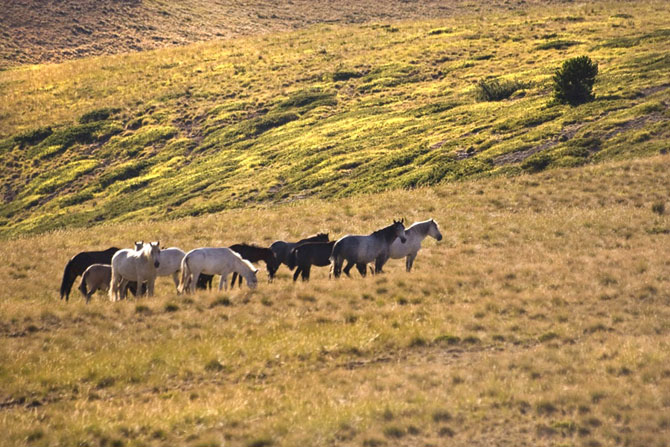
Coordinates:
[434,231]
[252,281]
[139,245]
[321,237]
[154,251]
[272,266]
[290,260]
[399,229]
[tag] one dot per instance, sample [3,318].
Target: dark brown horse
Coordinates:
[305,255]
[78,265]
[254,253]
[282,249]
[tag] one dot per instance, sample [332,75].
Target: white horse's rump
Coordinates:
[170,263]
[134,265]
[214,261]
[415,234]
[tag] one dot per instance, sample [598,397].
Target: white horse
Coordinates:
[415,234]
[215,261]
[170,262]
[134,265]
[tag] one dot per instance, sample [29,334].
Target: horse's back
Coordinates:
[170,261]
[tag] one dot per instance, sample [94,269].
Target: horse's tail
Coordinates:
[82,286]
[68,280]
[113,286]
[336,260]
[185,273]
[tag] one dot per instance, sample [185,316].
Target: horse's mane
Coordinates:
[244,261]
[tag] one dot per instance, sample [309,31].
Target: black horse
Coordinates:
[78,265]
[282,249]
[254,253]
[305,255]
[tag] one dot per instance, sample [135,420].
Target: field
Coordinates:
[331,110]
[542,318]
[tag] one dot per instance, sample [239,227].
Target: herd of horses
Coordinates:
[119,271]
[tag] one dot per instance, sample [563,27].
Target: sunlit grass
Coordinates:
[540,318]
[329,111]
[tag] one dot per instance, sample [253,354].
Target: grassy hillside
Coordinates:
[53,31]
[329,111]
[540,319]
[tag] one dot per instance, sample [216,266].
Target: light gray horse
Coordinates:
[415,234]
[134,265]
[360,250]
[214,261]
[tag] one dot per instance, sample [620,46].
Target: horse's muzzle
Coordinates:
[402,239]
[439,238]
[156,264]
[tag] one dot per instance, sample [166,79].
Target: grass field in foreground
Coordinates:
[542,318]
[328,111]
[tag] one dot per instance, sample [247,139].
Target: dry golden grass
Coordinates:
[540,319]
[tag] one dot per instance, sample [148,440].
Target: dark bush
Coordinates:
[98,115]
[536,163]
[495,90]
[33,137]
[573,82]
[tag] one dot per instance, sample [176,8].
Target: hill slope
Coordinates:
[52,31]
[327,111]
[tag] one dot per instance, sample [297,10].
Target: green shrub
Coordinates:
[573,82]
[536,163]
[98,115]
[495,90]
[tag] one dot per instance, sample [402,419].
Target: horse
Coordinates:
[78,265]
[282,249]
[254,253]
[170,263]
[360,250]
[138,265]
[214,261]
[415,234]
[97,277]
[304,256]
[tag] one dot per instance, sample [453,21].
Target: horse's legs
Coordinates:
[380,261]
[239,282]
[410,261]
[223,283]
[305,272]
[362,269]
[348,267]
[232,281]
[123,289]
[297,273]
[194,280]
[175,278]
[150,286]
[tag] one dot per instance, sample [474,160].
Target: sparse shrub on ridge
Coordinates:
[573,82]
[495,90]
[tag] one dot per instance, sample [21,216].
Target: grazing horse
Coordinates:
[78,265]
[415,234]
[282,249]
[254,253]
[134,265]
[360,250]
[304,256]
[214,261]
[97,277]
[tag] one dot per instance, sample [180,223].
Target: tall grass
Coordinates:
[540,318]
